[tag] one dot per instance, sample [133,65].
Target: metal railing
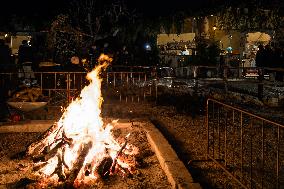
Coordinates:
[249,148]
[62,87]
[130,86]
[230,72]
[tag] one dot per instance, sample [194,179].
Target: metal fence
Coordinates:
[249,148]
[130,86]
[62,87]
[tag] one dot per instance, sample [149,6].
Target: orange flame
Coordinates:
[82,122]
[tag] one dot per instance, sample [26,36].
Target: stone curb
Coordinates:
[177,174]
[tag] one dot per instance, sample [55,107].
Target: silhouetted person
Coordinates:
[25,53]
[74,65]
[268,56]
[5,53]
[260,61]
[26,60]
[77,79]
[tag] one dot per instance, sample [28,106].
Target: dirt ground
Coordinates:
[17,172]
[181,122]
[186,134]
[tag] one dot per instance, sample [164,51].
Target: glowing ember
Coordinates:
[79,149]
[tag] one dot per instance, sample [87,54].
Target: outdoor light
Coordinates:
[229,49]
[214,27]
[6,35]
[147,47]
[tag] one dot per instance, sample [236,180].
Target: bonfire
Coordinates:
[79,149]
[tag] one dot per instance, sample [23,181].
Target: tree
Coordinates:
[63,40]
[248,18]
[207,52]
[100,19]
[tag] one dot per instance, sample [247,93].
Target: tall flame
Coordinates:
[82,123]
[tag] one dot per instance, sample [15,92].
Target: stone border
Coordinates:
[177,174]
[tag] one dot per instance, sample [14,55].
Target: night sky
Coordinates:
[51,7]
[155,7]
[46,10]
[33,7]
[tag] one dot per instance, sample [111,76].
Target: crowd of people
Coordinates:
[28,55]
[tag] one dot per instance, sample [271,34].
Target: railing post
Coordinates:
[241,145]
[262,153]
[41,81]
[55,81]
[277,156]
[68,87]
[114,79]
[207,126]
[260,83]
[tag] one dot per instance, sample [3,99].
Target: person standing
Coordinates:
[25,53]
[260,61]
[26,60]
[5,53]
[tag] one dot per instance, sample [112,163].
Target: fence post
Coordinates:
[260,83]
[41,81]
[114,78]
[68,87]
[207,125]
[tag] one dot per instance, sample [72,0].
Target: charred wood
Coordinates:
[47,154]
[37,147]
[78,165]
[39,166]
[112,168]
[103,168]
[59,169]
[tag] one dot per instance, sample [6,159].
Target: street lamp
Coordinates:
[214,29]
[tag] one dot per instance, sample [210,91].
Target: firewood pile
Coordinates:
[28,94]
[54,143]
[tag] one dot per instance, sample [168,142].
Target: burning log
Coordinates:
[49,152]
[111,171]
[37,147]
[78,164]
[104,167]
[59,169]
